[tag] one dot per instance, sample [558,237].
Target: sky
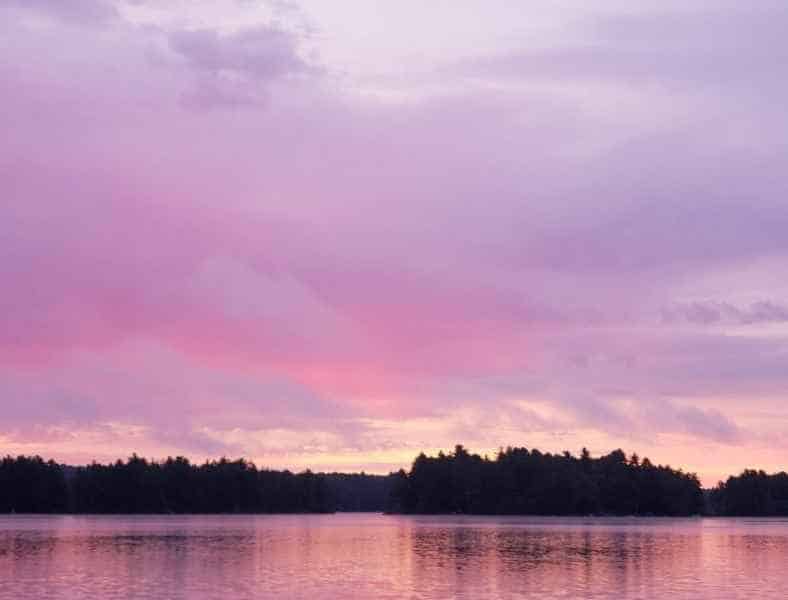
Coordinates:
[335,234]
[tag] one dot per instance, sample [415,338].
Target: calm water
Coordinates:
[376,556]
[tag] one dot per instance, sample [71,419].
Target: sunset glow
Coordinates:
[325,235]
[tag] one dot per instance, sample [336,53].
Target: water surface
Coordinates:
[376,556]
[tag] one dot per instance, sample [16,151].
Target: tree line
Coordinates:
[522,482]
[517,481]
[753,493]
[176,486]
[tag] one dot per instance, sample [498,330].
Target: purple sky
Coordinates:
[333,234]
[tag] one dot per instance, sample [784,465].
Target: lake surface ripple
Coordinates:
[377,556]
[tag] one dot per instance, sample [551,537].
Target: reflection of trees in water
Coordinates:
[15,545]
[455,544]
[586,559]
[112,552]
[467,557]
[542,558]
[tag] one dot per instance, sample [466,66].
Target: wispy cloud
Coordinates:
[713,312]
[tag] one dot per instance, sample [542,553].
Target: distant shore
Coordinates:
[517,482]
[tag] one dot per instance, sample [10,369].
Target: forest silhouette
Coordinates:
[517,481]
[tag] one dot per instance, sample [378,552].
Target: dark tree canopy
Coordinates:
[139,486]
[753,493]
[517,481]
[28,484]
[523,482]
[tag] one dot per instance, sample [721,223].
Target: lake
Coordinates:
[378,556]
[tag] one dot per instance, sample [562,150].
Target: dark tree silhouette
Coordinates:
[177,486]
[753,493]
[515,481]
[30,485]
[139,486]
[519,481]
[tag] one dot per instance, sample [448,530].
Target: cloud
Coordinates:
[431,251]
[218,92]
[235,69]
[664,415]
[713,312]
[29,402]
[73,12]
[262,53]
[710,424]
[696,46]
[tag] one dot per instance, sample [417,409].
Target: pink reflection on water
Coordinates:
[376,556]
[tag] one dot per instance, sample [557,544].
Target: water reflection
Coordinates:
[375,556]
